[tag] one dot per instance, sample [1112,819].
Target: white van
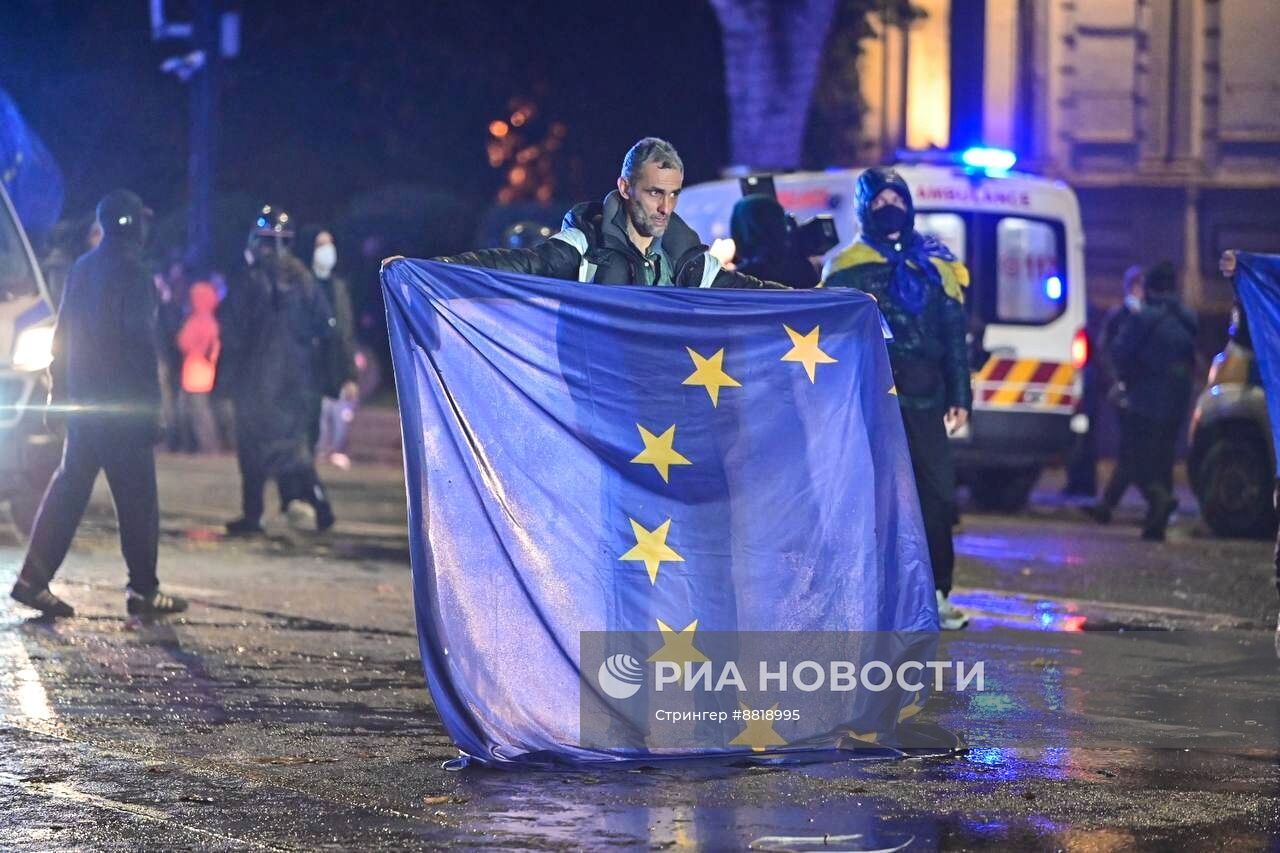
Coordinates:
[1022,239]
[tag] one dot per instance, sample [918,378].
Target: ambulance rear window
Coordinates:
[1031,286]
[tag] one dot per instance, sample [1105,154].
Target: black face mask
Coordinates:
[889,219]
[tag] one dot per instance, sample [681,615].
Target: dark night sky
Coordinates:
[331,99]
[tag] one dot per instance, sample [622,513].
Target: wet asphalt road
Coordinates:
[287,709]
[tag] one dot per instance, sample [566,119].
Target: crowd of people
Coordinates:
[142,358]
[264,360]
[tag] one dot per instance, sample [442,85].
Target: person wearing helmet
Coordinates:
[105,377]
[272,323]
[919,286]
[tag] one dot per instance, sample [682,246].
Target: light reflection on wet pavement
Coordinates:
[291,714]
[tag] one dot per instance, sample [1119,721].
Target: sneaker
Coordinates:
[301,515]
[950,617]
[156,602]
[244,527]
[43,600]
[324,516]
[1158,520]
[340,461]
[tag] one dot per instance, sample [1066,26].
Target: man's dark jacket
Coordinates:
[336,360]
[271,323]
[104,356]
[1154,353]
[592,245]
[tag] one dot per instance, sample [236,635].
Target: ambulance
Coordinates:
[1022,239]
[29,453]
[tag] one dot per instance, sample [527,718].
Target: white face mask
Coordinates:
[324,259]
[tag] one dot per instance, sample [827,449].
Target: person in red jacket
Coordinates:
[199,343]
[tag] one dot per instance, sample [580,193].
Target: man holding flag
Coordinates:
[632,237]
[667,468]
[1257,283]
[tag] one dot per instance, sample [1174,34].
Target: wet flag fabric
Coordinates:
[1258,284]
[583,459]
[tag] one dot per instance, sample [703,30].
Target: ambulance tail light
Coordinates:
[1080,350]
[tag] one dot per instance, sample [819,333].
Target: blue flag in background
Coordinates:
[591,458]
[1258,283]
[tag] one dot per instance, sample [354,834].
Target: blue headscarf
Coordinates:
[910,255]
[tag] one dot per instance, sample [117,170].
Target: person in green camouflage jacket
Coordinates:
[919,285]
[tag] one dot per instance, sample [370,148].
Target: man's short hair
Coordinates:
[651,149]
[1161,278]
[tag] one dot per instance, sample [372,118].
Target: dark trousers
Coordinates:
[127,457]
[1122,475]
[936,484]
[1148,448]
[1152,447]
[288,461]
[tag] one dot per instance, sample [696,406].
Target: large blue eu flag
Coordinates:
[1258,285]
[585,458]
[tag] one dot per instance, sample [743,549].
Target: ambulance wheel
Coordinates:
[1235,488]
[1002,489]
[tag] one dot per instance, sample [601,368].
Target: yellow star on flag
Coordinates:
[652,548]
[677,646]
[658,451]
[710,374]
[804,349]
[759,734]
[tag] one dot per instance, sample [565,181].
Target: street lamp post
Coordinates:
[213,37]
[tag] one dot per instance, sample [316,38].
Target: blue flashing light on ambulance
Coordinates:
[1022,238]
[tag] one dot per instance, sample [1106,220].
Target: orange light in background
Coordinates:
[1080,350]
[518,175]
[498,128]
[928,120]
[518,119]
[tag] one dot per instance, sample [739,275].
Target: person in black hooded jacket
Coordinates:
[919,286]
[273,321]
[632,237]
[105,376]
[1154,354]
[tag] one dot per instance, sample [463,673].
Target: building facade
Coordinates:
[1162,114]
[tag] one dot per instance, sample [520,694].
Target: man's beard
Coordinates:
[640,220]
